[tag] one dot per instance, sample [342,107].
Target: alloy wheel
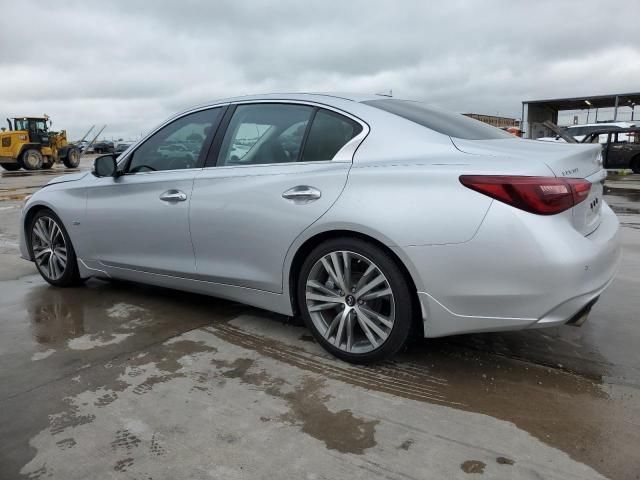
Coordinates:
[350,301]
[49,247]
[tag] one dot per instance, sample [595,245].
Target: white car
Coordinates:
[370,217]
[580,131]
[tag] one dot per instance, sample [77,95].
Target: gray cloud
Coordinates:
[132,63]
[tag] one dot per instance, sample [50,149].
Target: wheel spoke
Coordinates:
[371,324]
[386,321]
[333,325]
[338,271]
[349,328]
[343,318]
[378,294]
[346,260]
[320,287]
[38,230]
[372,284]
[322,298]
[370,269]
[331,272]
[367,331]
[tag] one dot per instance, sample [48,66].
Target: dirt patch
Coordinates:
[473,466]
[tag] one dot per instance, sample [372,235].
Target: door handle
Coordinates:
[173,196]
[302,194]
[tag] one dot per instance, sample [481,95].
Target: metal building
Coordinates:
[536,112]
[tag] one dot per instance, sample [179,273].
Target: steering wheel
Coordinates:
[140,167]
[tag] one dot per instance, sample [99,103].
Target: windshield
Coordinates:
[442,121]
[23,124]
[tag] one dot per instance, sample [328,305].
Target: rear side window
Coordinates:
[441,121]
[329,132]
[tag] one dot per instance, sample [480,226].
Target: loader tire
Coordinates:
[72,159]
[31,159]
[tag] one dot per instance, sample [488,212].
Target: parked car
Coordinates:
[580,131]
[121,147]
[384,217]
[103,147]
[621,148]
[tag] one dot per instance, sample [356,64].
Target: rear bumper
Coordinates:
[519,271]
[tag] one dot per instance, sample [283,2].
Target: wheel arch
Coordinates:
[316,239]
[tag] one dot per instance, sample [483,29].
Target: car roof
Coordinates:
[320,97]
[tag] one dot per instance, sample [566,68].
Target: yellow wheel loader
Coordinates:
[29,144]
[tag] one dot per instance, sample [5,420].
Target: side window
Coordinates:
[328,134]
[178,145]
[264,133]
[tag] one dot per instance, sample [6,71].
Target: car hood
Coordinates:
[68,178]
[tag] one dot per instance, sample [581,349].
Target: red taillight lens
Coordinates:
[540,195]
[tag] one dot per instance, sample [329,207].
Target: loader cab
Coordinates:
[36,126]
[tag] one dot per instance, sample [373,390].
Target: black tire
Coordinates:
[72,159]
[11,167]
[635,164]
[402,298]
[70,274]
[31,159]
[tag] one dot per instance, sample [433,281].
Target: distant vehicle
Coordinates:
[621,148]
[580,131]
[362,214]
[103,147]
[29,144]
[121,147]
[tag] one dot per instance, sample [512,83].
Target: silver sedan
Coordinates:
[370,217]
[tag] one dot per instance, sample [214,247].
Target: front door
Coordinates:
[140,220]
[273,177]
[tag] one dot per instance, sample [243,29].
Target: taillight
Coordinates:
[540,195]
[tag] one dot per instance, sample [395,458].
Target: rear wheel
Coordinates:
[32,159]
[52,250]
[11,167]
[355,300]
[72,160]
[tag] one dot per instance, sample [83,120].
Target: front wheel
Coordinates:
[355,300]
[52,250]
[72,160]
[635,164]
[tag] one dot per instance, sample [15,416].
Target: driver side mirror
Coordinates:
[105,166]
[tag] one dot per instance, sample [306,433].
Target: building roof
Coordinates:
[597,101]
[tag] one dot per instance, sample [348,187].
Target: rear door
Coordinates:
[140,220]
[276,170]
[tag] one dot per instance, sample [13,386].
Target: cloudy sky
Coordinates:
[130,64]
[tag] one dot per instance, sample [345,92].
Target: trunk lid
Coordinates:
[562,159]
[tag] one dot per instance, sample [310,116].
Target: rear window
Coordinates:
[442,121]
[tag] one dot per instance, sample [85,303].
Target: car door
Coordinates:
[140,219]
[278,167]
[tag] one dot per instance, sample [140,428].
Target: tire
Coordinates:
[72,159]
[46,165]
[347,312]
[56,272]
[11,167]
[31,159]
[635,164]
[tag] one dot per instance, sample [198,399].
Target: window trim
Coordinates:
[344,155]
[124,163]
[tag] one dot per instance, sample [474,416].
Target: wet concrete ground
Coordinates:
[118,380]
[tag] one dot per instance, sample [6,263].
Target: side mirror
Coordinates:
[105,166]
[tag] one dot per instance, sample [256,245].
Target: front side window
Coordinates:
[178,145]
[328,134]
[264,133]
